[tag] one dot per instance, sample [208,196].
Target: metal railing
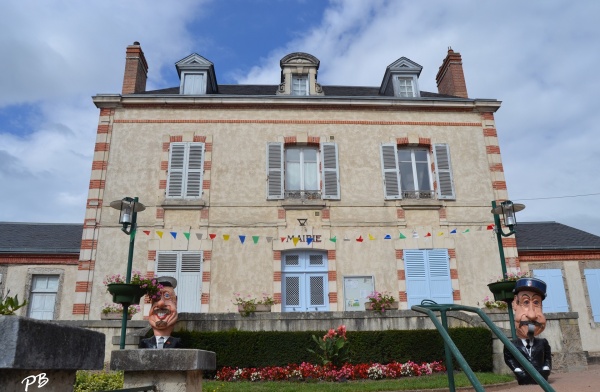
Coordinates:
[428,307]
[303,195]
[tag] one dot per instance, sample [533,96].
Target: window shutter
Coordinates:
[440,283]
[292,294]
[166,264]
[416,276]
[391,174]
[317,295]
[592,278]
[195,169]
[176,168]
[189,282]
[556,300]
[274,171]
[331,177]
[443,171]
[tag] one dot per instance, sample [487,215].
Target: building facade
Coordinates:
[315,195]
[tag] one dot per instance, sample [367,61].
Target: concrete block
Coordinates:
[163,360]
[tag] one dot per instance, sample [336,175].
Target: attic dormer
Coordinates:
[401,79]
[196,75]
[299,75]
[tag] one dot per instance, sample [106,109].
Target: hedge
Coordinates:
[270,348]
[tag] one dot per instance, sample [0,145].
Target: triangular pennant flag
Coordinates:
[295,240]
[309,240]
[415,234]
[282,239]
[174,234]
[187,235]
[255,239]
[147,232]
[466,231]
[346,238]
[428,234]
[199,236]
[453,231]
[225,237]
[387,237]
[212,236]
[269,239]
[480,228]
[402,236]
[333,239]
[360,239]
[441,233]
[159,233]
[490,227]
[242,238]
[371,237]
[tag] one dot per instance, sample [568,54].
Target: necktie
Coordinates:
[528,346]
[161,341]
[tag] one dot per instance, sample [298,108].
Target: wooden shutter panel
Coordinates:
[440,282]
[443,171]
[556,300]
[592,277]
[416,276]
[391,174]
[195,169]
[189,282]
[274,171]
[176,170]
[331,177]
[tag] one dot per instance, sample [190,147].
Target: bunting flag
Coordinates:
[466,231]
[415,234]
[428,234]
[309,240]
[480,228]
[490,227]
[346,238]
[295,240]
[147,232]
[453,231]
[371,237]
[387,237]
[282,239]
[269,239]
[255,239]
[187,235]
[402,236]
[242,238]
[225,237]
[441,233]
[199,236]
[174,234]
[360,239]
[159,233]
[333,239]
[212,236]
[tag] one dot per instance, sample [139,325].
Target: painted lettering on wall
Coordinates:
[304,238]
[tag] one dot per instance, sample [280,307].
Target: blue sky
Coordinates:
[539,58]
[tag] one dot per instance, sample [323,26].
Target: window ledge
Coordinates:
[303,204]
[420,204]
[181,204]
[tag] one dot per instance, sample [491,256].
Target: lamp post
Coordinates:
[507,209]
[129,208]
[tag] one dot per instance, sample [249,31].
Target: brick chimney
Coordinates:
[136,70]
[450,78]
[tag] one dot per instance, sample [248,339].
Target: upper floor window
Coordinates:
[43,296]
[186,167]
[293,172]
[405,87]
[193,83]
[407,172]
[300,85]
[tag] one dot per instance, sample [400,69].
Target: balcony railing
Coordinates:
[418,194]
[303,195]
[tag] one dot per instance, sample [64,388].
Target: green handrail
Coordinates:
[428,307]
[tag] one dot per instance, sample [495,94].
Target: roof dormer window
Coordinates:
[193,83]
[299,75]
[405,86]
[401,79]
[197,76]
[299,84]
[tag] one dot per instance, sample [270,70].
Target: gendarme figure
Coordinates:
[529,322]
[163,316]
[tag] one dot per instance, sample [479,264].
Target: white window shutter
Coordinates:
[391,174]
[592,278]
[416,276]
[275,171]
[195,169]
[440,282]
[443,171]
[556,300]
[318,299]
[189,282]
[176,170]
[331,177]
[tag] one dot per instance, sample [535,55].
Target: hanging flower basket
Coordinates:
[124,293]
[503,291]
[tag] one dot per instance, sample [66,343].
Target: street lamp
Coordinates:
[507,209]
[129,208]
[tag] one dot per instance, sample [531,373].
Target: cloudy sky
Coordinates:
[538,57]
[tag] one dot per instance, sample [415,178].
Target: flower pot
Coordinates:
[126,293]
[503,291]
[113,316]
[392,306]
[259,308]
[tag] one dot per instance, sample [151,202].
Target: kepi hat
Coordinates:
[531,284]
[167,281]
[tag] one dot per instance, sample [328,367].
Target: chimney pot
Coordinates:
[136,70]
[451,78]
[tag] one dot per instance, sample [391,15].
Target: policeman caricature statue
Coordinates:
[163,316]
[530,322]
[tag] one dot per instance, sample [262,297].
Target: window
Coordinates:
[43,296]
[304,281]
[186,167]
[186,267]
[556,299]
[299,85]
[406,172]
[405,87]
[193,83]
[592,278]
[428,276]
[293,172]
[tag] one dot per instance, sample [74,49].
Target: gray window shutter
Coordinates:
[428,276]
[443,171]
[331,177]
[274,171]
[391,174]
[592,278]
[416,276]
[195,169]
[176,170]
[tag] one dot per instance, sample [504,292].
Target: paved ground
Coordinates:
[585,381]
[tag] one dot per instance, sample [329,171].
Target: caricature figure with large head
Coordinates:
[530,322]
[163,316]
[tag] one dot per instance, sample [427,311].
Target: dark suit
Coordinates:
[151,343]
[541,356]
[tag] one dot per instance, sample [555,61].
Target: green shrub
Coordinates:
[91,381]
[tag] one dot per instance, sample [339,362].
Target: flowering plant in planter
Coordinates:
[118,308]
[248,303]
[150,286]
[333,345]
[512,277]
[491,304]
[380,301]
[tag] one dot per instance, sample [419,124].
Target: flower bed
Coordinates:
[306,371]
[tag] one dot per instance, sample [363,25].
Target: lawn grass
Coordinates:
[403,384]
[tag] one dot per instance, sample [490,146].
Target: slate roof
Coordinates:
[271,90]
[532,236]
[38,238]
